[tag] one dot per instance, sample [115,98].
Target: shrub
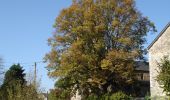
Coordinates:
[92,97]
[105,97]
[120,96]
[115,96]
[147,97]
[163,77]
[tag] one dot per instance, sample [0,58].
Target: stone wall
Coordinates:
[158,50]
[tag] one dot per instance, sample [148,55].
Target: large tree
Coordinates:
[95,45]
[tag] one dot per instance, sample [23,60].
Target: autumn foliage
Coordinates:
[95,45]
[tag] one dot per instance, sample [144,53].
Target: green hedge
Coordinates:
[115,96]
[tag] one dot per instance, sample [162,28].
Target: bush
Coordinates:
[120,96]
[105,97]
[115,96]
[147,97]
[92,97]
[58,94]
[163,77]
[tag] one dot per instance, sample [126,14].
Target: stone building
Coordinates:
[159,48]
[142,71]
[143,79]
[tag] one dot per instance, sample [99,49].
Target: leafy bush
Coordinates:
[92,97]
[58,94]
[115,96]
[147,97]
[163,77]
[120,96]
[105,97]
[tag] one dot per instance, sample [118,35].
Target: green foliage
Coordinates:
[114,96]
[120,96]
[22,93]
[163,77]
[52,95]
[15,86]
[105,97]
[95,46]
[58,94]
[147,97]
[14,78]
[160,98]
[92,97]
[14,75]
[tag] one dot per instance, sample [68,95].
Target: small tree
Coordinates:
[14,77]
[15,86]
[15,74]
[163,77]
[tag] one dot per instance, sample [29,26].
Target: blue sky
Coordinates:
[25,26]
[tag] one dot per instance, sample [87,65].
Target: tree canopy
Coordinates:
[15,74]
[95,45]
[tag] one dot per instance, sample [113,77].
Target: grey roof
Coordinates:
[159,35]
[141,66]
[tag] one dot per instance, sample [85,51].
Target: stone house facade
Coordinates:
[159,48]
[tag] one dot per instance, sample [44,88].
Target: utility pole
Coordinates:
[35,73]
[47,95]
